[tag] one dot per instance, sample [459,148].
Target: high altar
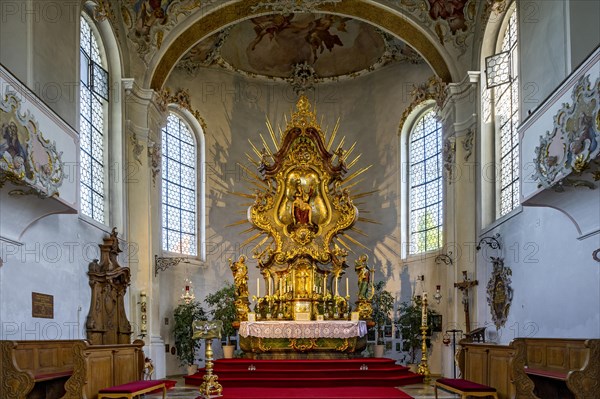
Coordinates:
[302,206]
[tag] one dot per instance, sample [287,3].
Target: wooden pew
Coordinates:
[555,367]
[66,369]
[487,364]
[36,369]
[109,365]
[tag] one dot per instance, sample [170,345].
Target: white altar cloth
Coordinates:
[303,329]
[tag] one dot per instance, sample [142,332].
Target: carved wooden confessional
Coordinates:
[107,322]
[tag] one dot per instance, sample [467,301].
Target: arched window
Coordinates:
[501,110]
[92,123]
[425,184]
[179,188]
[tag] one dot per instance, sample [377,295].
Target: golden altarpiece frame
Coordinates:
[301,213]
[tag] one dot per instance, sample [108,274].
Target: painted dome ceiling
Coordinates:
[281,46]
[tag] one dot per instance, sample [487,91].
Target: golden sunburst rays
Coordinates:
[333,134]
[264,151]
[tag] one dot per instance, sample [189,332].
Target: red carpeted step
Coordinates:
[324,382]
[314,364]
[315,393]
[379,372]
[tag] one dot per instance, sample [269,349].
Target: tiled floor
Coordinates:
[417,391]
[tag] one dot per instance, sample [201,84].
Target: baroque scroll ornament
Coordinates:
[26,157]
[499,292]
[573,145]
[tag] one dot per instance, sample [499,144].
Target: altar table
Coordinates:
[302,339]
[303,329]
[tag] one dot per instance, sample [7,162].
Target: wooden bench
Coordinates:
[36,368]
[464,388]
[133,389]
[555,367]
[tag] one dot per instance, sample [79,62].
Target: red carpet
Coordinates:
[360,378]
[315,393]
[168,383]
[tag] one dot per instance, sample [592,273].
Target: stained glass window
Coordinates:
[178,188]
[426,205]
[93,104]
[506,107]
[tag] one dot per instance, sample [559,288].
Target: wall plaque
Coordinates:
[42,305]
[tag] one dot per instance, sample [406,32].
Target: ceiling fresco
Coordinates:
[274,45]
[322,38]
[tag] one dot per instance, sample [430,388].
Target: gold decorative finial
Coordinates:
[304,117]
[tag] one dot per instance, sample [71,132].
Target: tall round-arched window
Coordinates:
[500,103]
[506,98]
[179,193]
[425,169]
[92,121]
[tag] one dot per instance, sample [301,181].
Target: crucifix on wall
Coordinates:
[464,286]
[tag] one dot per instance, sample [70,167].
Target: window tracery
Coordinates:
[425,184]
[179,188]
[94,98]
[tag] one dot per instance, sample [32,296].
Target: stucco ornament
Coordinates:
[452,21]
[303,78]
[499,292]
[434,89]
[26,158]
[449,156]
[468,143]
[292,6]
[573,145]
[149,22]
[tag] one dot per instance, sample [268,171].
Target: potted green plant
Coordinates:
[409,322]
[185,314]
[382,304]
[222,303]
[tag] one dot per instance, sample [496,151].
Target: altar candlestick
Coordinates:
[346,286]
[424,310]
[258,287]
[270,286]
[325,285]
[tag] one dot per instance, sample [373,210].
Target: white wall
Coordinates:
[556,282]
[543,50]
[584,30]
[53,259]
[39,43]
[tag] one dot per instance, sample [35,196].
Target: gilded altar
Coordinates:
[301,215]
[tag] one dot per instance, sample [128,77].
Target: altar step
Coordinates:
[376,372]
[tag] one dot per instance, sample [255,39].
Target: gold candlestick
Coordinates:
[208,330]
[210,386]
[423,368]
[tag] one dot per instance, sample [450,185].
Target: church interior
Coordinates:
[300,198]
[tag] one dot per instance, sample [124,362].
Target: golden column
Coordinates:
[423,368]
